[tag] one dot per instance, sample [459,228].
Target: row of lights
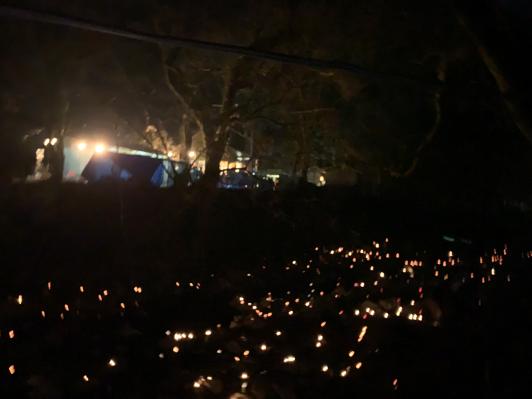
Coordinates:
[100,148]
[52,141]
[81,146]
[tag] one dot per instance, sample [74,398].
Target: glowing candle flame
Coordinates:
[362,333]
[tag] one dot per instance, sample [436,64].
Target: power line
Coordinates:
[76,23]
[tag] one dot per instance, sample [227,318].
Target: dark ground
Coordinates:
[106,237]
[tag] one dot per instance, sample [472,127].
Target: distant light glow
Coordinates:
[99,148]
[82,145]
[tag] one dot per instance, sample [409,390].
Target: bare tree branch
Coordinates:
[312,111]
[441,73]
[519,113]
[166,76]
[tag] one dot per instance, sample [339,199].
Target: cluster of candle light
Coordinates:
[370,286]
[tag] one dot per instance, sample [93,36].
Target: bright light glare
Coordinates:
[99,148]
[46,141]
[82,145]
[53,141]
[192,154]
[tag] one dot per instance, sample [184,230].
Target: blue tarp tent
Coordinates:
[126,167]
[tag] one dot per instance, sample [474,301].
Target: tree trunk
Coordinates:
[188,135]
[297,160]
[59,150]
[185,138]
[216,145]
[215,153]
[54,156]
